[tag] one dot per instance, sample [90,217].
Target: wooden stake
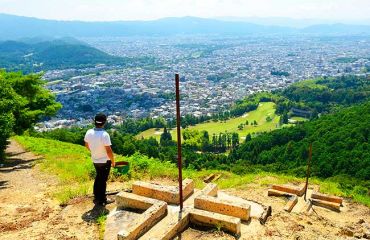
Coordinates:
[308,169]
[178,116]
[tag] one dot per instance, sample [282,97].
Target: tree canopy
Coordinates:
[23,101]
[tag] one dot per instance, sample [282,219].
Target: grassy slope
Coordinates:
[264,109]
[72,165]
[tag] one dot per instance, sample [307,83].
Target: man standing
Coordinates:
[98,142]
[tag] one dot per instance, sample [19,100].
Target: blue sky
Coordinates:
[107,10]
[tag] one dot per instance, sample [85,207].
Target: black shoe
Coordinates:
[108,201]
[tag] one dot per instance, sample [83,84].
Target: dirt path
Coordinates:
[28,212]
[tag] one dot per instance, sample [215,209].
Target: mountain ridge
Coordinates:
[13,27]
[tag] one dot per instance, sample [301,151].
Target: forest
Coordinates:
[338,131]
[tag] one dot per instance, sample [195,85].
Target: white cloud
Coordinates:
[105,10]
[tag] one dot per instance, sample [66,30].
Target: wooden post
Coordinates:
[308,169]
[178,116]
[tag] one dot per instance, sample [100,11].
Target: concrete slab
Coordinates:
[226,207]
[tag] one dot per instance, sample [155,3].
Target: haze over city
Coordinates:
[349,11]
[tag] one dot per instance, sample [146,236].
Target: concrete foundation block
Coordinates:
[209,178]
[169,194]
[326,204]
[277,193]
[205,218]
[327,198]
[210,189]
[178,226]
[155,210]
[125,200]
[299,191]
[212,204]
[291,203]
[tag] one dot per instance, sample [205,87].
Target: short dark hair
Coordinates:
[100,119]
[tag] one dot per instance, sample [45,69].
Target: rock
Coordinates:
[358,235]
[361,221]
[347,232]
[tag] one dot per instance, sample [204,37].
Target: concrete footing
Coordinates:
[155,210]
[205,218]
[299,191]
[327,198]
[212,204]
[277,193]
[326,204]
[291,203]
[210,189]
[169,194]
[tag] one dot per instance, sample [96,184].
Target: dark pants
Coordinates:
[100,183]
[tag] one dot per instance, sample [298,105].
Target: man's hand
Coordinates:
[110,155]
[87,146]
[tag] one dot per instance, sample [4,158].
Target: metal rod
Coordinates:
[308,169]
[178,116]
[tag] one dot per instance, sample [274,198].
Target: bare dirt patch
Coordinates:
[28,211]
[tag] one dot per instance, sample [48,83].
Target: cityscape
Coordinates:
[215,72]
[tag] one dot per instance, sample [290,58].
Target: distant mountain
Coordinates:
[293,22]
[15,27]
[56,54]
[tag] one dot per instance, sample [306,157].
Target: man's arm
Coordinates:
[87,146]
[110,154]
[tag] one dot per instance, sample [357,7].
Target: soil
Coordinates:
[29,212]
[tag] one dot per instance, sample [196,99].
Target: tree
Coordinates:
[166,137]
[23,102]
[248,137]
[234,139]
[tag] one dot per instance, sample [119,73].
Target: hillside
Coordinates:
[62,171]
[237,124]
[340,146]
[56,54]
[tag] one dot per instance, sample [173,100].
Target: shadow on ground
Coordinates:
[3,184]
[16,164]
[93,214]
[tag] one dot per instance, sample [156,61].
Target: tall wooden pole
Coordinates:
[308,169]
[178,116]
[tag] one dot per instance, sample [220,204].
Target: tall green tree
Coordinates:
[23,101]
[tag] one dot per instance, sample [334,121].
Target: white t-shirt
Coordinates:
[97,139]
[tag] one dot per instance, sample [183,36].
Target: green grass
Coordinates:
[101,223]
[73,167]
[299,119]
[264,110]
